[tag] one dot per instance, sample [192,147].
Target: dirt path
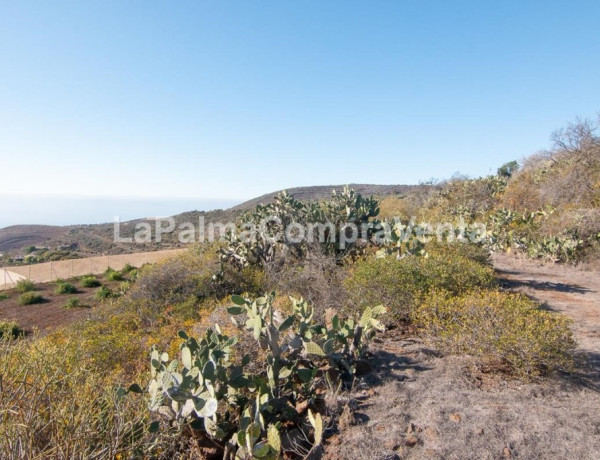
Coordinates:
[564,289]
[418,404]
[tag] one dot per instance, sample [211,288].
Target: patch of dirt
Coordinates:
[50,314]
[565,289]
[417,404]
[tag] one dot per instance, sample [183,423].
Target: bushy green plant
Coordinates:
[400,284]
[245,412]
[113,275]
[103,293]
[30,298]
[10,330]
[127,269]
[63,287]
[25,286]
[90,281]
[3,296]
[499,328]
[188,279]
[74,302]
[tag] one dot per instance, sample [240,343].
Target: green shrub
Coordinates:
[127,269]
[25,286]
[103,293]
[125,286]
[90,281]
[30,298]
[499,328]
[113,275]
[65,288]
[3,296]
[30,249]
[400,284]
[10,329]
[190,275]
[74,302]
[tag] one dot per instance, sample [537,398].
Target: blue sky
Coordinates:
[227,100]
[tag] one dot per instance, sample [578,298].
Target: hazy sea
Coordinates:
[71,210]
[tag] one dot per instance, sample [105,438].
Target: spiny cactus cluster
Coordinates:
[514,230]
[266,221]
[209,389]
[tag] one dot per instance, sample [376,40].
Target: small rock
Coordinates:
[334,440]
[431,433]
[411,440]
[391,444]
[455,417]
[302,406]
[506,453]
[347,418]
[329,314]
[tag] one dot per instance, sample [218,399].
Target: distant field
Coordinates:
[64,269]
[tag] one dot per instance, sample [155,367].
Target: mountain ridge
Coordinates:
[91,239]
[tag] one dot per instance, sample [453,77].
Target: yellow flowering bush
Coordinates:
[499,328]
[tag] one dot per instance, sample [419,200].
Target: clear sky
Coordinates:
[226,100]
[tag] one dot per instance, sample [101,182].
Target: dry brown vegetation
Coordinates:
[465,369]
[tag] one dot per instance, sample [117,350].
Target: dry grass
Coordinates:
[419,406]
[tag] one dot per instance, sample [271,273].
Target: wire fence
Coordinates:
[64,269]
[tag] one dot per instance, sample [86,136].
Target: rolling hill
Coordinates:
[87,240]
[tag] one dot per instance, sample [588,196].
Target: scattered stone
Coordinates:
[391,444]
[455,417]
[302,406]
[431,433]
[411,440]
[347,418]
[329,314]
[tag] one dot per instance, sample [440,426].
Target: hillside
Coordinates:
[320,192]
[86,240]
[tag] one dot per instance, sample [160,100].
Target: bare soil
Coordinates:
[561,288]
[419,404]
[52,313]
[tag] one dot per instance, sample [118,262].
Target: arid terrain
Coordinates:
[95,239]
[51,313]
[420,404]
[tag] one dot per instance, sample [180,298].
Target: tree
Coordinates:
[508,169]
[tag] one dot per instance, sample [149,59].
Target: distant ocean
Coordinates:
[72,210]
